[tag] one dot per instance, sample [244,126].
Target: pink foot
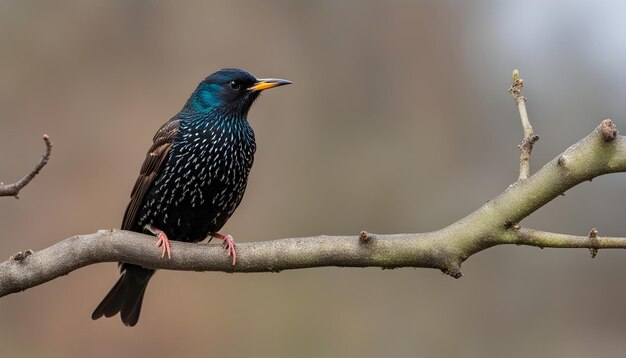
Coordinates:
[229,244]
[163,241]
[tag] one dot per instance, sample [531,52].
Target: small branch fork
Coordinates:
[14,189]
[601,152]
[530,138]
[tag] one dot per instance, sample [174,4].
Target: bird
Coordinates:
[193,178]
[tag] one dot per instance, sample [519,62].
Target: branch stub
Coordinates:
[608,130]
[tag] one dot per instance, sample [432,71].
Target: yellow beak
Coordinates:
[265,83]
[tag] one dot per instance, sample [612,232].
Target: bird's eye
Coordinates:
[235,85]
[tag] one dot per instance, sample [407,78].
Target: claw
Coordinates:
[163,242]
[229,245]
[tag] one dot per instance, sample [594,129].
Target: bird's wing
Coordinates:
[156,157]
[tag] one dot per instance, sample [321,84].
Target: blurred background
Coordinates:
[398,121]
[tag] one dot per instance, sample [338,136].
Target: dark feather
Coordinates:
[126,296]
[156,157]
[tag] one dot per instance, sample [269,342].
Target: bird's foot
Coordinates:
[229,245]
[163,242]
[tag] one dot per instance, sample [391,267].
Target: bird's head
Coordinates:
[230,91]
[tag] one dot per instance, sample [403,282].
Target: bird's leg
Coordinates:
[229,244]
[163,240]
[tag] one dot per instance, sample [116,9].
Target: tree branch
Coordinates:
[517,91]
[14,189]
[542,239]
[495,223]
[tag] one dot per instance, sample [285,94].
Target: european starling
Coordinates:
[192,180]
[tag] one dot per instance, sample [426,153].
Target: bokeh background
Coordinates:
[398,121]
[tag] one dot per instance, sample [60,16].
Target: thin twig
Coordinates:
[543,239]
[14,189]
[517,91]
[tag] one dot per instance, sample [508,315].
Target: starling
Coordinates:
[192,180]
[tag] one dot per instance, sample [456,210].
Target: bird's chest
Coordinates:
[210,167]
[204,180]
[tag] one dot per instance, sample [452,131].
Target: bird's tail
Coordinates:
[126,295]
